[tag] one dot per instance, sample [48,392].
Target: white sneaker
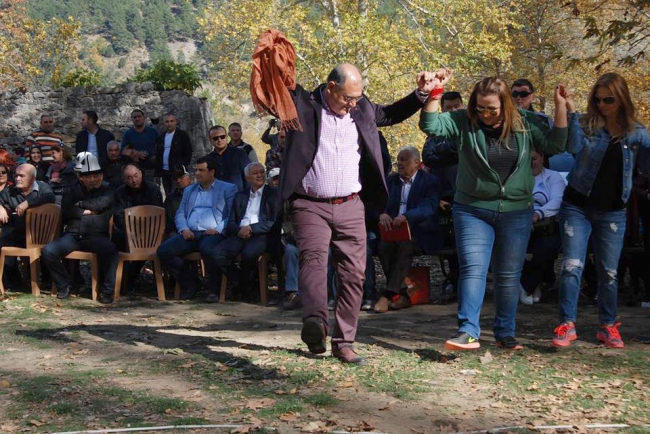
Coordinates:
[524,298]
[537,295]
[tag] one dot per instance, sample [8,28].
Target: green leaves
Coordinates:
[169,75]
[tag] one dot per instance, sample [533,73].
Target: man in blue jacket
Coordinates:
[250,227]
[200,220]
[412,198]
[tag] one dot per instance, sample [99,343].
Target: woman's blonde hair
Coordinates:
[512,120]
[594,121]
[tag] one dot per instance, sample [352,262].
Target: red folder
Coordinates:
[395,234]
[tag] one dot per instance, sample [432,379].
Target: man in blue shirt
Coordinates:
[200,220]
[139,143]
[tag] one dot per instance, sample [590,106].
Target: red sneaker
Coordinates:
[564,334]
[610,336]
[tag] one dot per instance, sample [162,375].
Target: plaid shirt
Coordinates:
[335,171]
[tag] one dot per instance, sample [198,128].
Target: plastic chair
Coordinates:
[145,227]
[262,269]
[43,225]
[195,256]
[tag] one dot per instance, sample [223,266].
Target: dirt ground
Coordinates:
[127,338]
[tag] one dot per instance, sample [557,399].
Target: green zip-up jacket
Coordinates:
[477,183]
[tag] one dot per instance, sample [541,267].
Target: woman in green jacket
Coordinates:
[493,204]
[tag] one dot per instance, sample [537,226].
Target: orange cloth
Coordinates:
[273,76]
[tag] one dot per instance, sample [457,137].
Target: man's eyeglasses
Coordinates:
[215,138]
[607,100]
[351,99]
[520,93]
[484,111]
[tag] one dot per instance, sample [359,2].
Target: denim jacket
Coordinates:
[589,152]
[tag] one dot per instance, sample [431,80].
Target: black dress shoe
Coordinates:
[188,295]
[105,298]
[292,301]
[346,354]
[63,293]
[314,334]
[213,297]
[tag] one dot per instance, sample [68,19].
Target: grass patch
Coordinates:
[321,400]
[282,406]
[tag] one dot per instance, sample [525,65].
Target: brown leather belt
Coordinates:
[333,200]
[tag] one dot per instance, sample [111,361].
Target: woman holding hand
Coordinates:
[493,204]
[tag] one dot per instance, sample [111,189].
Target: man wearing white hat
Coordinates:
[86,209]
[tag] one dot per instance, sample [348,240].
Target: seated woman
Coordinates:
[61,173]
[36,159]
[544,241]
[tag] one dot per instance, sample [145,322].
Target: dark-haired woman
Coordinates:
[492,209]
[605,142]
[36,159]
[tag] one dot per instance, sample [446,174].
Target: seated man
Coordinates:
[181,179]
[249,229]
[201,218]
[413,198]
[14,202]
[136,191]
[86,210]
[114,164]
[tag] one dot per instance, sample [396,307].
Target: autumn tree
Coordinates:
[34,52]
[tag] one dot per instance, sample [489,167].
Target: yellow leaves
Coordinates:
[34,51]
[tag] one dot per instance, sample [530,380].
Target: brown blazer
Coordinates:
[301,146]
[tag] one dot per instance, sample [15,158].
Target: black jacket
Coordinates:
[68,179]
[172,203]
[180,153]
[127,197]
[103,137]
[230,166]
[77,199]
[11,197]
[113,171]
[301,146]
[268,212]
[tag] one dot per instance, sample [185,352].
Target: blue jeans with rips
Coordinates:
[502,237]
[607,231]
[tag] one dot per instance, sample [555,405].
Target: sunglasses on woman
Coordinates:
[3,172]
[484,111]
[607,100]
[520,93]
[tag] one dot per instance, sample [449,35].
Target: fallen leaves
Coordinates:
[256,404]
[487,358]
[173,351]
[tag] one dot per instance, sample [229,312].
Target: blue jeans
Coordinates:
[172,252]
[480,235]
[291,256]
[607,231]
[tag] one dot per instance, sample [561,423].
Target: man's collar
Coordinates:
[34,188]
[410,180]
[258,192]
[209,187]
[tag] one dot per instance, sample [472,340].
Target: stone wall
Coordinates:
[20,111]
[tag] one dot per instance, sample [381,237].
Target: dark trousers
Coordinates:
[396,260]
[13,238]
[369,286]
[318,225]
[540,267]
[167,183]
[249,249]
[54,253]
[172,253]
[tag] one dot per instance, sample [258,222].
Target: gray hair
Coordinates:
[111,143]
[31,170]
[412,152]
[247,169]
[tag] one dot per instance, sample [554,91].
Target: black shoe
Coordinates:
[63,293]
[314,335]
[213,297]
[188,295]
[509,343]
[292,301]
[105,298]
